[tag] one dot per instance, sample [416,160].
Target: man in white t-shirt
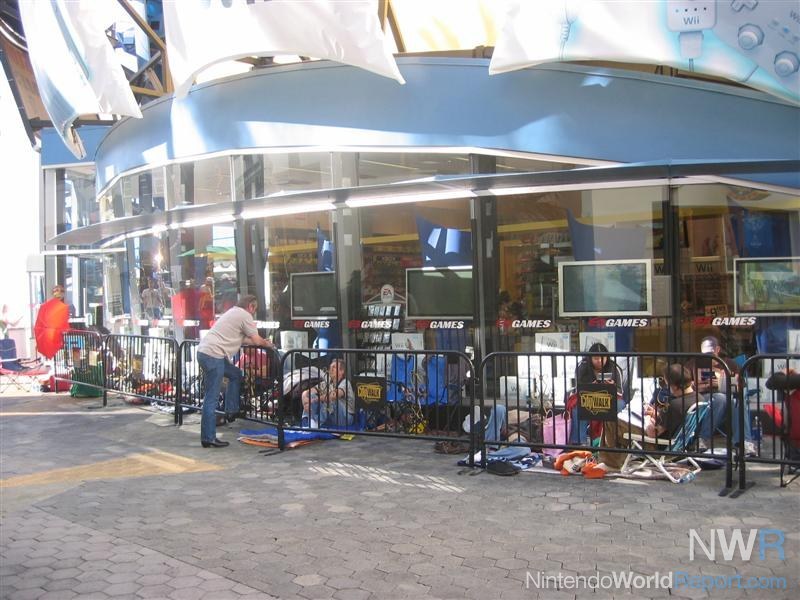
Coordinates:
[225,339]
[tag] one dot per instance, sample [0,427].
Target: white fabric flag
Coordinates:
[202,33]
[74,64]
[701,36]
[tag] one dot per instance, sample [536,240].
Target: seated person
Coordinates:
[785,381]
[787,385]
[332,402]
[712,384]
[494,426]
[660,420]
[666,416]
[594,369]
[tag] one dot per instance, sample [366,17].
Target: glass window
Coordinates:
[398,237]
[259,175]
[80,206]
[538,232]
[199,182]
[138,194]
[720,224]
[386,167]
[281,246]
[513,164]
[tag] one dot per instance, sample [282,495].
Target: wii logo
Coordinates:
[691,15]
[689,18]
[729,543]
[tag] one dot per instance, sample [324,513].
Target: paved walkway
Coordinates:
[117,503]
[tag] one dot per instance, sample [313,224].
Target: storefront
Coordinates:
[541,209]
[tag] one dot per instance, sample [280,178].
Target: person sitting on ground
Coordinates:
[665,417]
[331,404]
[787,385]
[712,383]
[494,426]
[595,368]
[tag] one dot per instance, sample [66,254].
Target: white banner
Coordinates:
[202,33]
[74,63]
[755,43]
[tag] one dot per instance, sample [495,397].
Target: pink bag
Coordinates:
[555,430]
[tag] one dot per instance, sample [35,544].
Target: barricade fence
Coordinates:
[769,409]
[142,367]
[81,362]
[259,387]
[618,406]
[421,394]
[615,404]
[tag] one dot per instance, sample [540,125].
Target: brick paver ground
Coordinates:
[157,516]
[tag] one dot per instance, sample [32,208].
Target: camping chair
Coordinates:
[680,441]
[406,393]
[22,373]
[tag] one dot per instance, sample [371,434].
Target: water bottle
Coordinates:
[755,429]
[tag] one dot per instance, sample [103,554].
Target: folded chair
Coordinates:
[19,373]
[682,439]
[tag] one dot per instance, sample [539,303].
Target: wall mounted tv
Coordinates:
[605,288]
[766,286]
[313,295]
[439,293]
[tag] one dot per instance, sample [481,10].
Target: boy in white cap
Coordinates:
[713,384]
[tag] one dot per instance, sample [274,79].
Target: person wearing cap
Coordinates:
[712,383]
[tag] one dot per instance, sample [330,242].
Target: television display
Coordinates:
[439,293]
[605,288]
[313,295]
[766,286]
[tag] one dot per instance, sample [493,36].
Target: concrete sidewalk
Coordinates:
[118,503]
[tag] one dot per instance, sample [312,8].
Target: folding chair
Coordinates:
[680,441]
[20,373]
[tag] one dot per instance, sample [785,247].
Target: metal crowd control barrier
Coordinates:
[142,367]
[556,401]
[773,420]
[81,361]
[260,384]
[421,394]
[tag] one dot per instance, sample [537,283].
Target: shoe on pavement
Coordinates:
[750,449]
[215,443]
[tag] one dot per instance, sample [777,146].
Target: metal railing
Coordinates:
[142,367]
[769,416]
[81,361]
[550,402]
[421,394]
[261,375]
[561,401]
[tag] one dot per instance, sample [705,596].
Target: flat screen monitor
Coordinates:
[439,293]
[766,286]
[313,295]
[608,288]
